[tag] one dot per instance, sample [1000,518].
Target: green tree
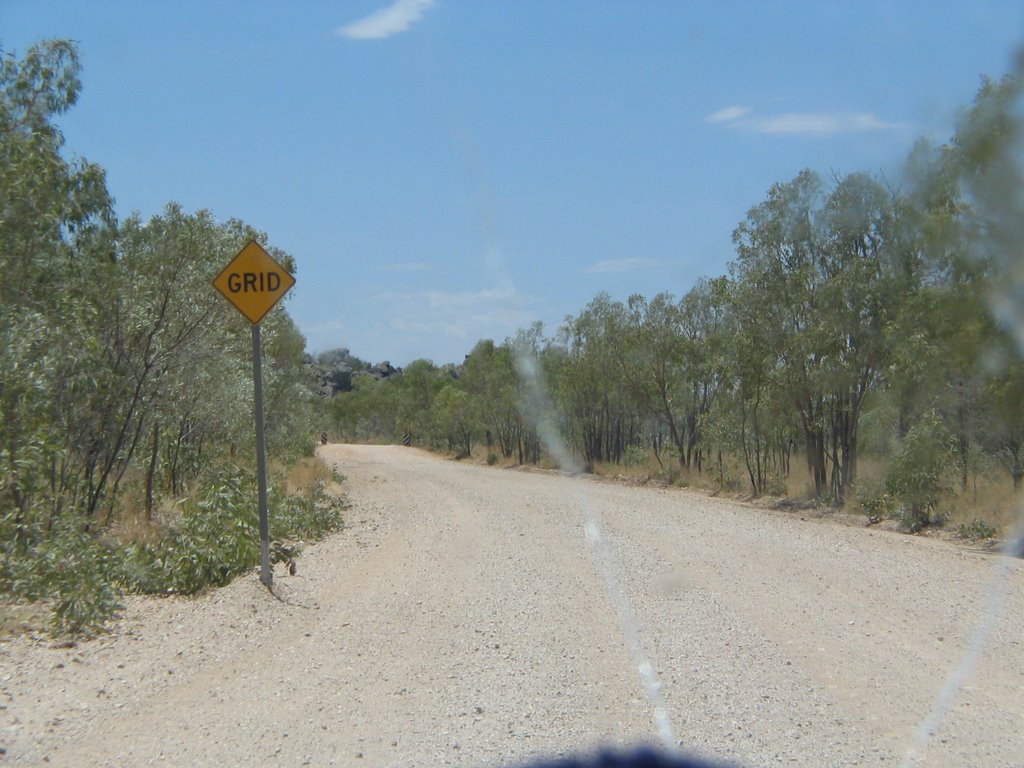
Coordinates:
[601,420]
[454,420]
[122,366]
[56,231]
[816,262]
[778,250]
[755,409]
[416,387]
[855,304]
[489,376]
[1004,436]
[538,365]
[369,411]
[648,344]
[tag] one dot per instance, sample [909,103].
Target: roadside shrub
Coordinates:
[670,473]
[776,485]
[81,573]
[875,501]
[976,530]
[215,539]
[728,477]
[492,459]
[917,479]
[308,517]
[74,573]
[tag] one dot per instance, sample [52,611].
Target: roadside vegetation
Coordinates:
[860,352]
[126,432]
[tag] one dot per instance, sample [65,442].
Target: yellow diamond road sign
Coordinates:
[253,282]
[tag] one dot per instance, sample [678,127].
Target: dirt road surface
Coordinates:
[474,616]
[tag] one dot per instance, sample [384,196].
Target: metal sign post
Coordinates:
[253,282]
[266,574]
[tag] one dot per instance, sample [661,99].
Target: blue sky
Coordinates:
[450,170]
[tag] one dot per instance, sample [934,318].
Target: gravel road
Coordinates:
[473,616]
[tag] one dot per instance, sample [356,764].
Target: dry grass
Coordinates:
[990,498]
[129,523]
[301,476]
[132,526]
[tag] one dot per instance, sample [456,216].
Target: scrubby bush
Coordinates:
[975,530]
[875,501]
[216,538]
[70,570]
[634,456]
[307,517]
[917,478]
[81,574]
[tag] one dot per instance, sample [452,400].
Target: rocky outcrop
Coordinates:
[334,370]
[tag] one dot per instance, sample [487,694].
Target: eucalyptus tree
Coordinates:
[752,407]
[120,362]
[960,243]
[367,411]
[648,346]
[55,214]
[489,376]
[815,260]
[177,377]
[703,314]
[666,353]
[56,225]
[778,249]
[856,302]
[415,389]
[539,366]
[986,151]
[159,320]
[453,419]
[121,354]
[600,416]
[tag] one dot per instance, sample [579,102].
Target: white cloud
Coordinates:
[804,123]
[621,265]
[728,115]
[397,17]
[821,124]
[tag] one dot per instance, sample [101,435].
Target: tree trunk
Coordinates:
[814,441]
[151,471]
[964,445]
